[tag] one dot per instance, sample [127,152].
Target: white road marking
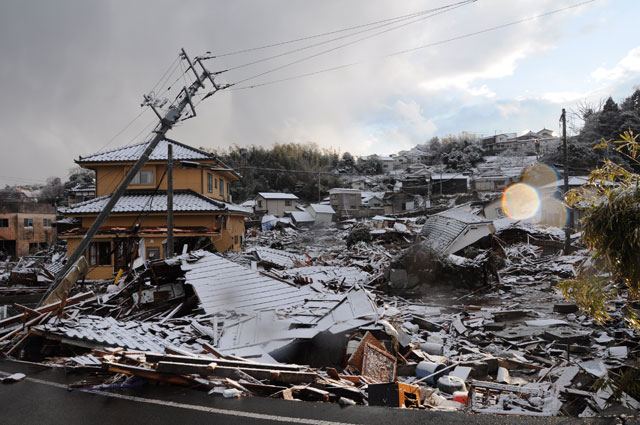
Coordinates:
[261,416]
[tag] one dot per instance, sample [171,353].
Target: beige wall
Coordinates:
[27,235]
[109,176]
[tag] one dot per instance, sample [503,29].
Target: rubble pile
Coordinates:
[291,320]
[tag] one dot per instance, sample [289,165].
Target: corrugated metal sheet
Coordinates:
[132,153]
[279,257]
[223,285]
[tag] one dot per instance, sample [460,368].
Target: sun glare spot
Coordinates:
[520,201]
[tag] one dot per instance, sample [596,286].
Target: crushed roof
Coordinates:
[322,208]
[222,285]
[442,230]
[277,195]
[301,216]
[141,201]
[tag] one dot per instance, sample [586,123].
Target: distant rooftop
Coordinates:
[277,195]
[321,208]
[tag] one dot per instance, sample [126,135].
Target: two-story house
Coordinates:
[203,213]
[346,202]
[271,203]
[25,227]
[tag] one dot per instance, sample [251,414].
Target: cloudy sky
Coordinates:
[73,72]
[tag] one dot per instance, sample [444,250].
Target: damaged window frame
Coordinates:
[99,253]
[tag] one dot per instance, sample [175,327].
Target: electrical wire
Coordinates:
[439,10]
[410,15]
[349,44]
[409,50]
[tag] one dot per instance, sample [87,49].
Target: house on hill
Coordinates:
[203,212]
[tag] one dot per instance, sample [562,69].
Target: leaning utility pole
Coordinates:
[170,118]
[169,252]
[569,222]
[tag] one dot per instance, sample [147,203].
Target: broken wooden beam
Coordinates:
[46,308]
[214,369]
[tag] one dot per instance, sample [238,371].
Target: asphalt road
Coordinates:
[43,398]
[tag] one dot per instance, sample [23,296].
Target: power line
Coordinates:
[318,35]
[492,28]
[351,43]
[441,9]
[412,49]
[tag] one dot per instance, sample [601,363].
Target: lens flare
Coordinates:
[540,175]
[520,201]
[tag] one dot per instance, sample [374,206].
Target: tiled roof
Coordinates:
[131,202]
[275,195]
[132,153]
[443,229]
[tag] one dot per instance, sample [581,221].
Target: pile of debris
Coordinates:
[317,323]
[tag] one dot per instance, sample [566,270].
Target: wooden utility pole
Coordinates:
[170,118]
[169,200]
[569,222]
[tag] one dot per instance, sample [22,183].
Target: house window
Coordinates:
[287,202]
[209,183]
[46,222]
[228,191]
[235,239]
[259,204]
[143,177]
[4,222]
[222,187]
[100,254]
[28,222]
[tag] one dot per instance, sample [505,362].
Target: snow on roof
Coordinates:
[276,195]
[183,201]
[367,196]
[463,216]
[383,218]
[343,190]
[133,152]
[573,181]
[443,229]
[448,176]
[322,208]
